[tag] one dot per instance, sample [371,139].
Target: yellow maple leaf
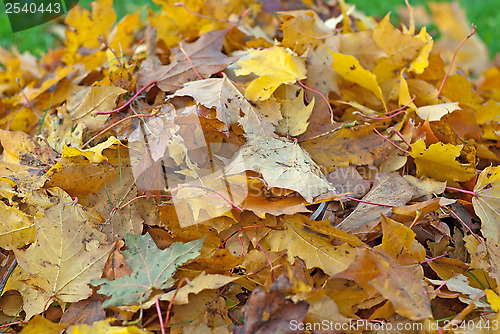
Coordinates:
[438,161]
[421,61]
[313,244]
[16,229]
[350,69]
[96,99]
[66,256]
[274,66]
[87,27]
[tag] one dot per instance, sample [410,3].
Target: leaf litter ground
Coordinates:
[253,167]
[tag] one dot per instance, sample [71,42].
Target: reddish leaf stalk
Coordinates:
[158,310]
[401,136]
[233,205]
[435,258]
[387,117]
[324,98]
[14,323]
[129,101]
[190,62]
[390,141]
[466,226]
[453,59]
[439,287]
[405,106]
[462,191]
[361,201]
[167,316]
[267,257]
[234,318]
[111,126]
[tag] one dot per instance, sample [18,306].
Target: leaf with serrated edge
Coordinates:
[62,261]
[152,269]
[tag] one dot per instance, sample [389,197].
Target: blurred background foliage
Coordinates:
[485,14]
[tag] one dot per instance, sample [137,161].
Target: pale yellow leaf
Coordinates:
[313,245]
[274,66]
[65,257]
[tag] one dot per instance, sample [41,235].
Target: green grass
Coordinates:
[484,13]
[39,39]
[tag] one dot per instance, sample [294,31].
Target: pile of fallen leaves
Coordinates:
[251,167]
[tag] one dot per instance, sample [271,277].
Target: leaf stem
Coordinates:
[129,101]
[245,227]
[167,316]
[462,191]
[14,323]
[190,62]
[453,59]
[396,111]
[267,257]
[390,141]
[141,196]
[401,136]
[435,258]
[158,310]
[405,106]
[324,98]
[466,226]
[109,48]
[387,117]
[111,126]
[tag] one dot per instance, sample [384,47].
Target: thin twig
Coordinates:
[167,316]
[111,126]
[454,55]
[390,141]
[190,62]
[324,98]
[128,102]
[158,310]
